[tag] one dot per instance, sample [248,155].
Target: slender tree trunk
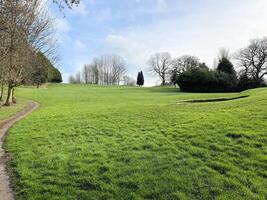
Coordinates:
[9,90]
[2,91]
[12,95]
[163,81]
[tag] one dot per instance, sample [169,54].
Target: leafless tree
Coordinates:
[25,31]
[78,77]
[68,3]
[106,69]
[129,81]
[72,79]
[160,64]
[252,60]
[185,63]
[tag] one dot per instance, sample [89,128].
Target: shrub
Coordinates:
[205,80]
[246,82]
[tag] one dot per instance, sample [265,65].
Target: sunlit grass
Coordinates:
[92,142]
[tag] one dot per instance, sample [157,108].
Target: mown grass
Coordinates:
[7,111]
[91,142]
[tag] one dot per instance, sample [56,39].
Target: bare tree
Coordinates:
[78,77]
[118,69]
[86,73]
[25,31]
[252,60]
[68,3]
[185,63]
[72,79]
[160,64]
[129,81]
[106,69]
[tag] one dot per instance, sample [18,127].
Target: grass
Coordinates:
[6,112]
[91,142]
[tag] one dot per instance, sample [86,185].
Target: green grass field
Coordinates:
[6,112]
[92,142]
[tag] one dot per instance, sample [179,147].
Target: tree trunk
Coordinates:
[12,96]
[9,90]
[163,81]
[2,91]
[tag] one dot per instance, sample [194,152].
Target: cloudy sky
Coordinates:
[135,29]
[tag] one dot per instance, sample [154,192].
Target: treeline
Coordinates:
[104,70]
[42,72]
[26,30]
[248,70]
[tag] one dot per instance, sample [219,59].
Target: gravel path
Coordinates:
[5,189]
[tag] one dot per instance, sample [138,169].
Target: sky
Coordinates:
[136,29]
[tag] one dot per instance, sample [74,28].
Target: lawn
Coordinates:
[6,112]
[93,142]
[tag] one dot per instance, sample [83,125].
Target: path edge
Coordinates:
[8,192]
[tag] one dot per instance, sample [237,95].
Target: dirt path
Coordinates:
[5,189]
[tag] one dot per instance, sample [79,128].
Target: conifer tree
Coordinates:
[141,78]
[138,79]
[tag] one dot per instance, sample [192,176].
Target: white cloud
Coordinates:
[201,34]
[199,30]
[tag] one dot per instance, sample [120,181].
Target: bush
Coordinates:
[205,80]
[54,75]
[246,82]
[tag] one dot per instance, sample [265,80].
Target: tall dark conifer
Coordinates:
[140,79]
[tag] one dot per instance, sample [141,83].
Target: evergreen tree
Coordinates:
[140,79]
[226,66]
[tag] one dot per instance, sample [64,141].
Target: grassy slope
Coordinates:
[89,142]
[6,112]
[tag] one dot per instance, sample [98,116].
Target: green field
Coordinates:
[6,112]
[93,142]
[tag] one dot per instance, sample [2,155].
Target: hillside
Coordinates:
[93,142]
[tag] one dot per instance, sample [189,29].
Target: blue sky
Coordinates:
[135,29]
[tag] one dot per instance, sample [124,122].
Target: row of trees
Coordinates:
[104,70]
[26,30]
[192,75]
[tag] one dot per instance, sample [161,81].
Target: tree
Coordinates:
[183,64]
[106,69]
[205,80]
[129,81]
[68,3]
[140,79]
[160,64]
[226,66]
[26,30]
[72,79]
[252,60]
[78,78]
[54,75]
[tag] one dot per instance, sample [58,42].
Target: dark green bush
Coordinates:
[246,82]
[205,80]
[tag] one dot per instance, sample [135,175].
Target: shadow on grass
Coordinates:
[213,100]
